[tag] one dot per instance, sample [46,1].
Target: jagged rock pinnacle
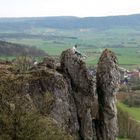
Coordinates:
[83,87]
[107,84]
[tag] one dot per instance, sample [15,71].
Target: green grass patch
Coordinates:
[123,139]
[134,112]
[8,58]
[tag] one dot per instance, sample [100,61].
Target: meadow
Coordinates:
[134,112]
[128,122]
[125,42]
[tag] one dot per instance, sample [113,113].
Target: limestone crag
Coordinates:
[83,87]
[107,85]
[68,94]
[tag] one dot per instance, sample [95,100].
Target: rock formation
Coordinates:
[83,91]
[68,96]
[107,85]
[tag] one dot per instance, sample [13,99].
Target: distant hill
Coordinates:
[92,34]
[13,49]
[68,22]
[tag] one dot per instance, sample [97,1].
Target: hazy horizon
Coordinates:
[69,16]
[77,8]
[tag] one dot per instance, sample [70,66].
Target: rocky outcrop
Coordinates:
[107,85]
[103,127]
[48,62]
[52,95]
[68,96]
[83,87]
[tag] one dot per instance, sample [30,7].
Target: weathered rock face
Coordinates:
[49,62]
[83,91]
[52,95]
[107,85]
[74,67]
[69,96]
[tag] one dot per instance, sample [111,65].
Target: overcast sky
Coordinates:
[81,8]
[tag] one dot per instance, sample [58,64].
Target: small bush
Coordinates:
[136,87]
[133,100]
[23,63]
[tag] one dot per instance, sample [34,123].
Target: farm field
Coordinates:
[127,56]
[56,35]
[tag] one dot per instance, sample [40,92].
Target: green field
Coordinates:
[134,112]
[125,42]
[123,139]
[127,56]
